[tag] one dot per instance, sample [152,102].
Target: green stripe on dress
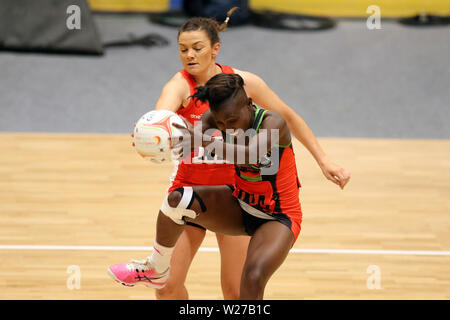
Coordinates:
[284,146]
[260,118]
[248,178]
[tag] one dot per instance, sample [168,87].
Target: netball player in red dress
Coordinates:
[262,204]
[199,46]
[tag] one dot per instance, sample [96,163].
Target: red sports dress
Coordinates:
[187,173]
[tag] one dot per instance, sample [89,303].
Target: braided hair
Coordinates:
[220,88]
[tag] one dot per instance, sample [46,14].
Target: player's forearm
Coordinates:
[304,134]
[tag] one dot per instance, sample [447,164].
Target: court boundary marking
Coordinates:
[205,249]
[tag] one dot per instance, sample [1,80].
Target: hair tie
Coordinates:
[202,93]
[227,19]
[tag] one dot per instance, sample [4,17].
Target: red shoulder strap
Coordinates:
[190,80]
[226,69]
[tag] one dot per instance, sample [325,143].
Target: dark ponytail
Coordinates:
[202,94]
[220,88]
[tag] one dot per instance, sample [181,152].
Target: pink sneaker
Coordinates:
[138,271]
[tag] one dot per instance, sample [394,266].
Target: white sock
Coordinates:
[160,257]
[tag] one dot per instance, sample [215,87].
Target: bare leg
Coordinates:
[167,231]
[268,247]
[267,250]
[183,254]
[233,251]
[223,214]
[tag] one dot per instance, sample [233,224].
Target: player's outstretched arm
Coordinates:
[266,98]
[172,94]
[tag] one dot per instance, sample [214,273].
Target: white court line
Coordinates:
[129,248]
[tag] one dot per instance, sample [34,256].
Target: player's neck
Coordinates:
[252,116]
[212,70]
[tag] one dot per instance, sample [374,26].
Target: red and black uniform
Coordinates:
[273,196]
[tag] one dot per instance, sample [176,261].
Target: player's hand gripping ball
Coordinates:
[154,135]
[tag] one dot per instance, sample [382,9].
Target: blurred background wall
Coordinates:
[334,8]
[343,78]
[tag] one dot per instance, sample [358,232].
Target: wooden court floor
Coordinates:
[86,196]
